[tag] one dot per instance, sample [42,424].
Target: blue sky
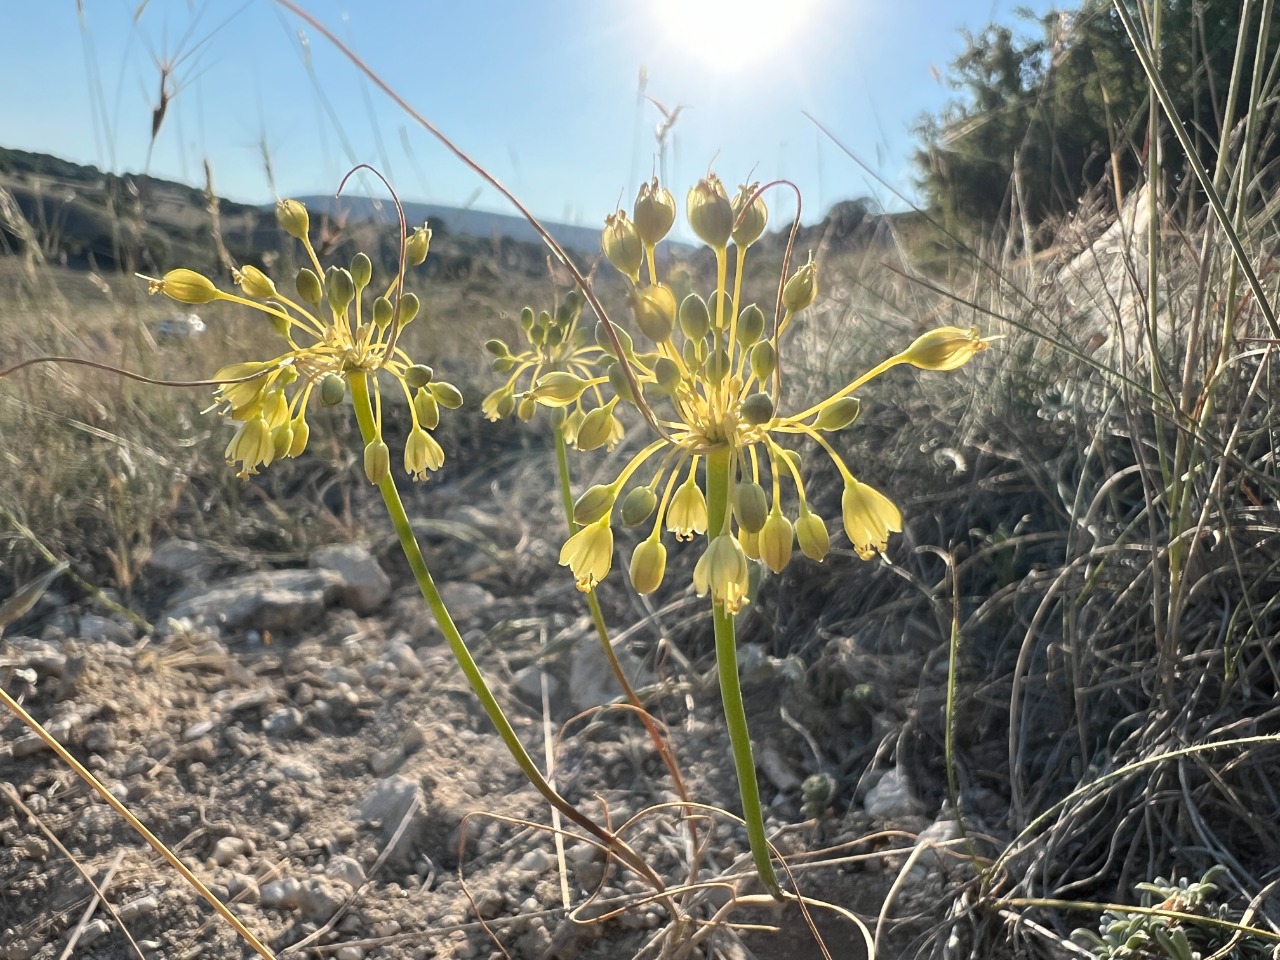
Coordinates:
[544,94]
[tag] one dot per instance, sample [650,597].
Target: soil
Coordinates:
[338,785]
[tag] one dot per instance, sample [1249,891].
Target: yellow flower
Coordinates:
[589,553]
[422,454]
[648,565]
[252,445]
[687,514]
[776,539]
[185,286]
[723,572]
[869,518]
[811,534]
[945,348]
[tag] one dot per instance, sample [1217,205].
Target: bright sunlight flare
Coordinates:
[735,35]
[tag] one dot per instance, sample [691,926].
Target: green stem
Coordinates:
[404,531]
[719,472]
[602,629]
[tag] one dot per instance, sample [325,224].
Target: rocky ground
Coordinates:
[299,734]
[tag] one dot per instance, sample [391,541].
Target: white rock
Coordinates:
[891,798]
[365,585]
[347,869]
[227,849]
[267,600]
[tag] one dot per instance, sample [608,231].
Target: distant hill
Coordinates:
[456,220]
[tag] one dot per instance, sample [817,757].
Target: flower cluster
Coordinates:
[336,332]
[711,386]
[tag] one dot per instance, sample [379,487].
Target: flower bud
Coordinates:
[945,348]
[648,565]
[409,306]
[750,505]
[620,384]
[838,414]
[801,288]
[750,324]
[654,212]
[282,440]
[418,375]
[293,219]
[595,502]
[383,311]
[621,244]
[426,409]
[377,460]
[308,286]
[811,534]
[763,360]
[301,434]
[280,324]
[776,540]
[446,394]
[340,288]
[254,282]
[416,246]
[757,409]
[605,344]
[526,408]
[667,372]
[637,506]
[498,348]
[361,270]
[717,366]
[750,541]
[751,217]
[333,389]
[559,388]
[526,319]
[709,212]
[695,318]
[185,286]
[596,428]
[654,308]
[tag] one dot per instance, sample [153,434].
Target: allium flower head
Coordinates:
[341,330]
[708,373]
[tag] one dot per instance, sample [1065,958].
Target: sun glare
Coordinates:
[734,35]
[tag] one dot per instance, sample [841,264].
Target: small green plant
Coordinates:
[1183,921]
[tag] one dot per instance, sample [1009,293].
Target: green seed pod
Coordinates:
[750,505]
[648,566]
[377,460]
[293,219]
[603,342]
[811,534]
[498,348]
[446,394]
[428,411]
[301,434]
[757,408]
[255,283]
[409,306]
[838,414]
[416,245]
[555,335]
[749,219]
[340,287]
[333,389]
[621,244]
[717,366]
[654,212]
[763,360]
[282,440]
[654,308]
[621,386]
[694,352]
[383,311]
[504,364]
[418,375]
[750,324]
[695,318]
[720,315]
[526,319]
[667,372]
[308,286]
[638,505]
[361,270]
[776,539]
[801,288]
[594,503]
[709,212]
[526,408]
[186,286]
[596,429]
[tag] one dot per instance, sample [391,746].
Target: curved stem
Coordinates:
[602,631]
[470,669]
[719,464]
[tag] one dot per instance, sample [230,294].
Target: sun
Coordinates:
[730,36]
